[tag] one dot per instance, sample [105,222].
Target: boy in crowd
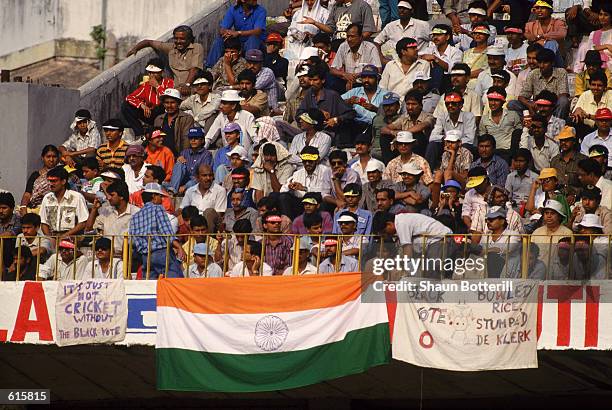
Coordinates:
[204,265]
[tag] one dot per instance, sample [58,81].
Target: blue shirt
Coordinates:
[364,222]
[151,220]
[363,115]
[221,158]
[236,19]
[195,159]
[497,170]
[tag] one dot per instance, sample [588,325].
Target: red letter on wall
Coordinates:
[33,294]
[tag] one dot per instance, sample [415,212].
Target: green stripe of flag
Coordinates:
[188,370]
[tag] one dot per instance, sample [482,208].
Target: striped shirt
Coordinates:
[278,255]
[112,157]
[151,220]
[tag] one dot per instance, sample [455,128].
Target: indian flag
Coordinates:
[266,333]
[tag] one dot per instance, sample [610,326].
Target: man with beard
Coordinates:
[255,101]
[365,100]
[381,143]
[174,122]
[135,167]
[353,55]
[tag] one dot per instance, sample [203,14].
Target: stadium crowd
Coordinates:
[328,140]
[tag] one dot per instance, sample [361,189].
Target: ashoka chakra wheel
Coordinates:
[270,333]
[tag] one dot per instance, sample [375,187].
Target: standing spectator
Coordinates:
[184,56]
[37,185]
[202,105]
[187,164]
[152,234]
[135,167]
[83,140]
[399,74]
[112,154]
[245,21]
[405,26]
[174,123]
[143,104]
[63,212]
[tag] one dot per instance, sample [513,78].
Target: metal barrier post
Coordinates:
[296,255]
[525,256]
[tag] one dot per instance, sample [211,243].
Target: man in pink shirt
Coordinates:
[546,30]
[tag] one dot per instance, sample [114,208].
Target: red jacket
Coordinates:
[145,93]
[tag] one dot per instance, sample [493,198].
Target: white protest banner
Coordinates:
[467,325]
[90,311]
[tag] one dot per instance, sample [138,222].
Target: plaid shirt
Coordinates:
[463,160]
[266,82]
[536,83]
[395,165]
[278,256]
[151,220]
[497,169]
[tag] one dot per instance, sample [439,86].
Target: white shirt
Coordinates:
[594,139]
[112,225]
[67,271]
[308,270]
[485,81]
[394,32]
[452,55]
[396,80]
[416,228]
[215,197]
[606,191]
[237,270]
[516,57]
[356,166]
[66,214]
[245,119]
[212,271]
[321,140]
[115,270]
[133,181]
[318,181]
[466,123]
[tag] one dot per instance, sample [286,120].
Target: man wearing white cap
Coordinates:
[496,59]
[590,205]
[406,26]
[144,104]
[231,112]
[404,142]
[294,99]
[548,235]
[174,122]
[411,191]
[202,105]
[375,182]
[477,13]
[455,164]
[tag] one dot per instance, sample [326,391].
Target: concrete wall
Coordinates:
[104,94]
[33,116]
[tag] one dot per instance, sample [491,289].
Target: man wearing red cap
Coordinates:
[601,136]
[279,65]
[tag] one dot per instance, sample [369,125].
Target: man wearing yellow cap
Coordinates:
[545,29]
[478,189]
[566,162]
[545,188]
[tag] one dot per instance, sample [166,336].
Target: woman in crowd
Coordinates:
[476,57]
[601,40]
[37,186]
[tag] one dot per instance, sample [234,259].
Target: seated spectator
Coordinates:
[331,263]
[405,27]
[592,64]
[353,54]
[399,74]
[416,121]
[10,225]
[505,126]
[222,161]
[477,13]
[352,196]
[341,176]
[601,136]
[367,99]
[225,71]
[203,265]
[496,167]
[453,120]
[423,84]
[516,53]
[207,196]
[501,79]
[184,228]
[411,192]
[590,203]
[589,102]
[143,104]
[385,202]
[363,158]
[390,113]
[253,100]
[105,266]
[298,33]
[241,178]
[202,104]
[478,188]
[542,147]
[135,167]
[23,265]
[311,202]
[252,264]
[312,123]
[245,21]
[83,140]
[600,154]
[548,78]
[200,234]
[460,77]
[342,14]
[174,122]
[112,219]
[271,169]
[304,267]
[186,165]
[63,212]
[532,64]
[38,186]
[546,187]
[265,79]
[496,60]
[451,206]
[238,159]
[545,30]
[476,57]
[589,173]
[266,131]
[502,246]
[71,264]
[32,238]
[552,230]
[351,242]
[277,247]
[153,174]
[185,56]
[239,209]
[268,204]
[231,112]
[588,263]
[159,155]
[519,181]
[273,60]
[337,113]
[92,181]
[231,247]
[566,162]
[456,162]
[294,99]
[404,143]
[498,197]
[441,55]
[112,154]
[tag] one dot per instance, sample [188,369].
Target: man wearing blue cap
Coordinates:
[186,166]
[264,77]
[365,100]
[390,112]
